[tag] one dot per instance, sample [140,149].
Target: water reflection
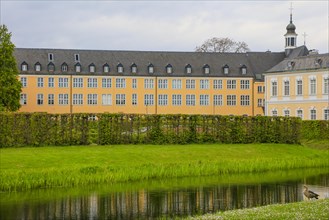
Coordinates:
[153,203]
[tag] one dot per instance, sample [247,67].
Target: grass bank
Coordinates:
[306,210]
[29,168]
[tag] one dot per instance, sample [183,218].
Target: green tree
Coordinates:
[10,86]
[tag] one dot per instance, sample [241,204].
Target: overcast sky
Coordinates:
[162,25]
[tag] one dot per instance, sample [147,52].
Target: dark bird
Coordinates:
[309,194]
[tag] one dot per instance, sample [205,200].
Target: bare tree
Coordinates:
[222,45]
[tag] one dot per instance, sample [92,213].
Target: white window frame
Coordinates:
[23,99]
[51,99]
[148,83]
[231,100]
[312,83]
[190,84]
[162,99]
[92,83]
[134,69]
[78,82]
[106,99]
[76,58]
[204,84]
[63,82]
[92,68]
[63,99]
[325,85]
[299,87]
[24,82]
[176,99]
[260,89]
[40,83]
[244,100]
[274,88]
[300,113]
[148,99]
[77,99]
[50,57]
[92,99]
[162,83]
[218,100]
[150,69]
[120,83]
[260,102]
[64,68]
[106,69]
[37,67]
[134,83]
[176,84]
[245,84]
[313,114]
[218,84]
[120,99]
[106,83]
[78,68]
[326,114]
[204,100]
[188,70]
[231,84]
[286,88]
[286,112]
[169,69]
[134,99]
[190,100]
[51,82]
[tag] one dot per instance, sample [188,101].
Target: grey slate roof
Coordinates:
[309,62]
[256,62]
[299,51]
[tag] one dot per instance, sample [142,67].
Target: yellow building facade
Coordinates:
[299,87]
[78,81]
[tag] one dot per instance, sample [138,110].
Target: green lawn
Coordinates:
[24,168]
[306,210]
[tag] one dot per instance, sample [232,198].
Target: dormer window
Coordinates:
[206,69]
[226,69]
[188,69]
[50,57]
[133,68]
[24,66]
[106,68]
[37,67]
[120,68]
[243,70]
[64,67]
[150,68]
[291,65]
[76,58]
[318,62]
[92,68]
[169,69]
[51,67]
[77,68]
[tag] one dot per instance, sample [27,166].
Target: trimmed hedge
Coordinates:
[315,130]
[42,129]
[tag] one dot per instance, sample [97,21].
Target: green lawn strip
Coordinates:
[27,168]
[305,210]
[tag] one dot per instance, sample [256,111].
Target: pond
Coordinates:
[164,198]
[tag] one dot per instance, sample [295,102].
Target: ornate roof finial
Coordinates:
[304,35]
[291,8]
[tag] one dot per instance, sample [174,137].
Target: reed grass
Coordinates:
[30,168]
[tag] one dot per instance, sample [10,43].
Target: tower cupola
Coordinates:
[290,36]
